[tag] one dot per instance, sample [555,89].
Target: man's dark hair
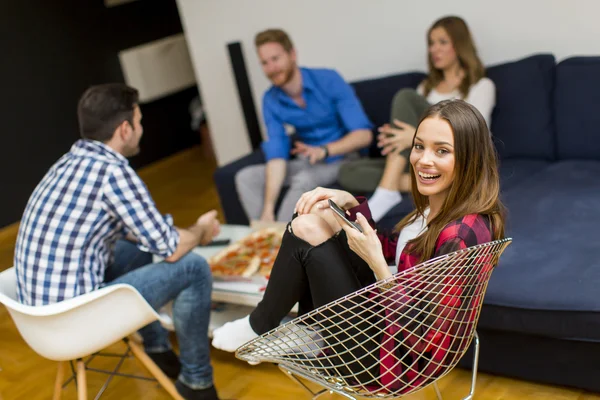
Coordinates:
[102,108]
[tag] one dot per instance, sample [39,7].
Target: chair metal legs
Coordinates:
[79,373]
[473,374]
[437,391]
[293,377]
[160,376]
[315,395]
[475,366]
[318,394]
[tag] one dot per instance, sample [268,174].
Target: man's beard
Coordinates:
[287,76]
[131,151]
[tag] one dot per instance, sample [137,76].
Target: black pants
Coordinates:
[309,275]
[314,276]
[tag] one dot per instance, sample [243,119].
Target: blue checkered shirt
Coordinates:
[88,199]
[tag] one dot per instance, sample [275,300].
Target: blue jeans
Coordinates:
[188,282]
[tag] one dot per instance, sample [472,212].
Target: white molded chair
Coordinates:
[391,338]
[83,326]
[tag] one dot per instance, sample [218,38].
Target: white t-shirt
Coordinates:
[482,95]
[410,232]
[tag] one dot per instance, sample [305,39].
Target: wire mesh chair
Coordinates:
[391,338]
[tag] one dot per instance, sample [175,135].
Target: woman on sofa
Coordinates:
[455,185]
[455,71]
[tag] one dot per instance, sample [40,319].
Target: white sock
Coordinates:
[382,201]
[233,334]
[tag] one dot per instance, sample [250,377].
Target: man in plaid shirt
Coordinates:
[72,237]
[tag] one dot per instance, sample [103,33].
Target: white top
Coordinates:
[410,232]
[482,95]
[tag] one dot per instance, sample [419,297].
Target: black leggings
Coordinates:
[313,276]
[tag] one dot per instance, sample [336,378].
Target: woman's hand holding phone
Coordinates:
[343,215]
[318,197]
[366,244]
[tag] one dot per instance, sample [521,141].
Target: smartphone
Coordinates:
[342,214]
[220,242]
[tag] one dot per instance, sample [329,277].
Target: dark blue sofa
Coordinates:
[541,316]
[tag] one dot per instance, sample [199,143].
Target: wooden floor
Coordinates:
[182,185]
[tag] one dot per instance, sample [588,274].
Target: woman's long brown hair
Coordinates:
[466,52]
[476,185]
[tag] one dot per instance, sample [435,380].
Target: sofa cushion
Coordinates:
[547,280]
[517,170]
[577,104]
[522,122]
[376,97]
[512,172]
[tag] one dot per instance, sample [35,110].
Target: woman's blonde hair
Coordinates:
[466,52]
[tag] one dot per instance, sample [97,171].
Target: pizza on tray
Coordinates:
[255,254]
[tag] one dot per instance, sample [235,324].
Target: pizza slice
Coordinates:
[253,254]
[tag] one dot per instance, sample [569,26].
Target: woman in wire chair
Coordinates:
[455,185]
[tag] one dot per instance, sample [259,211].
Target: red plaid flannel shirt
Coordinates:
[435,340]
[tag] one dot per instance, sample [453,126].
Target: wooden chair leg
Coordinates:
[81,382]
[160,376]
[60,378]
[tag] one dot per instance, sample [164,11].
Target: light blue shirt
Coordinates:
[332,110]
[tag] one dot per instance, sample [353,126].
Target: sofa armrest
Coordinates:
[225,181]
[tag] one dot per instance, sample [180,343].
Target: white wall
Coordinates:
[372,38]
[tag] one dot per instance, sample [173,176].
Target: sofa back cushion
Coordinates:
[577,108]
[376,97]
[522,121]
